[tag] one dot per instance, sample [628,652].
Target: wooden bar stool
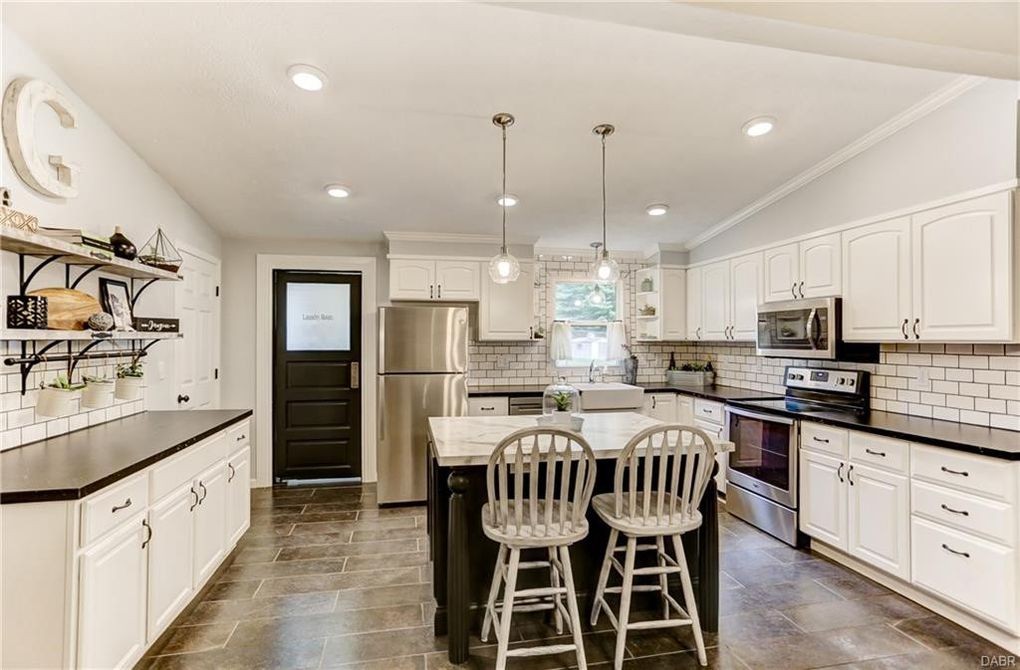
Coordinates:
[540,482]
[660,478]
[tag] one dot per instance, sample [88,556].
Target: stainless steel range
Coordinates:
[762,473]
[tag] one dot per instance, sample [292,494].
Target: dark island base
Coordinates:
[463,558]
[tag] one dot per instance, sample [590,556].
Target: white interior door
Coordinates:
[198,352]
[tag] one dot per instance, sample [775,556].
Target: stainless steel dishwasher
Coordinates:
[526,405]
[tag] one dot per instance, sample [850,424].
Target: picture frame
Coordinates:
[116,299]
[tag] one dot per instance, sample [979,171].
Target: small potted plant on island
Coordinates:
[57,397]
[130,381]
[558,404]
[98,392]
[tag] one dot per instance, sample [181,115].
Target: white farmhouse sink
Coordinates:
[610,395]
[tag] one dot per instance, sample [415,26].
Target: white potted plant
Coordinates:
[57,397]
[130,381]
[98,392]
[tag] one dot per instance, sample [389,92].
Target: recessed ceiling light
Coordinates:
[306,77]
[759,126]
[509,200]
[657,209]
[337,191]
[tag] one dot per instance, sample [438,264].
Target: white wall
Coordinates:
[969,143]
[116,188]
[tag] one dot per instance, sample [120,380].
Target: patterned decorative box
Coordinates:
[26,311]
[12,218]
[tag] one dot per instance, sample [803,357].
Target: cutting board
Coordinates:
[67,309]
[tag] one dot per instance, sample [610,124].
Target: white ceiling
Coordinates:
[200,91]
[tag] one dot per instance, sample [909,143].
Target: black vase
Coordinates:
[122,246]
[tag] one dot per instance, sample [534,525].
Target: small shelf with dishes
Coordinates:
[659,304]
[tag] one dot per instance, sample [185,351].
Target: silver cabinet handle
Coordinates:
[823,440]
[875,453]
[949,509]
[233,472]
[916,323]
[240,437]
[194,504]
[653,402]
[439,290]
[839,472]
[962,473]
[205,492]
[793,290]
[699,332]
[432,291]
[117,508]
[903,329]
[801,289]
[954,551]
[849,478]
[148,536]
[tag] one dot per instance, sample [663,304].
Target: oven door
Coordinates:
[798,328]
[764,459]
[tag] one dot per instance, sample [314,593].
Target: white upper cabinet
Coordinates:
[457,280]
[820,264]
[805,269]
[962,271]
[428,279]
[782,272]
[876,281]
[412,279]
[715,301]
[673,304]
[506,311]
[695,330]
[746,283]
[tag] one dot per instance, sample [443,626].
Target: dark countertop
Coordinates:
[521,391]
[720,393]
[72,466]
[995,442]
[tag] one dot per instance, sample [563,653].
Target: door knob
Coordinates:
[181,399]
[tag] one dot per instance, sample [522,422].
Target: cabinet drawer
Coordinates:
[816,437]
[107,509]
[882,452]
[979,575]
[990,519]
[489,406]
[185,466]
[981,475]
[708,410]
[239,435]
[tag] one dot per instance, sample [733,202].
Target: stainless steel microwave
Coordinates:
[808,328]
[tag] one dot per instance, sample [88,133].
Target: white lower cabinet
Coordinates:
[661,406]
[210,521]
[823,499]
[489,406]
[879,517]
[170,558]
[238,494]
[112,598]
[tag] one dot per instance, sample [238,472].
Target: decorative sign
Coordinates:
[318,317]
[148,324]
[54,177]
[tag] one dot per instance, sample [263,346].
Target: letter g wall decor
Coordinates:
[53,178]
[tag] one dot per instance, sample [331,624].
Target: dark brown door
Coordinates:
[316,375]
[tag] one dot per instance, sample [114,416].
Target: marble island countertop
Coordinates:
[469,440]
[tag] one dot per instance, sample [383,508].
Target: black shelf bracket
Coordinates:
[74,284]
[24,281]
[136,294]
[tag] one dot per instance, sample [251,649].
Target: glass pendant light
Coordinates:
[606,269]
[504,268]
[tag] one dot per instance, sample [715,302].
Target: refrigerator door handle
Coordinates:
[381,394]
[355,375]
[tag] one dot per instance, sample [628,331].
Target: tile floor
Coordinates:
[326,579]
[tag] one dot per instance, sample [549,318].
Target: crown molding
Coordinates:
[936,100]
[466,238]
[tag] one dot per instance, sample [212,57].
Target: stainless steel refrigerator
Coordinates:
[423,356]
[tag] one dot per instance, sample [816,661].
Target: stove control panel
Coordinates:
[820,379]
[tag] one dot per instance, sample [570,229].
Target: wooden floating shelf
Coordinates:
[47,335]
[34,244]
[647,317]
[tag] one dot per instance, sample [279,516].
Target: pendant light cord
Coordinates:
[503,204]
[603,193]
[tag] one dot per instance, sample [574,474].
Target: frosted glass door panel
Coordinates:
[318,317]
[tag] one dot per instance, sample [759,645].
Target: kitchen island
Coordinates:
[463,558]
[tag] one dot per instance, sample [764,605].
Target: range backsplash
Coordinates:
[19,423]
[968,383]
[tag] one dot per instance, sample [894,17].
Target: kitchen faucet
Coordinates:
[592,373]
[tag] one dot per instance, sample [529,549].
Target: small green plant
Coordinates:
[132,369]
[563,401]
[696,367]
[62,383]
[96,379]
